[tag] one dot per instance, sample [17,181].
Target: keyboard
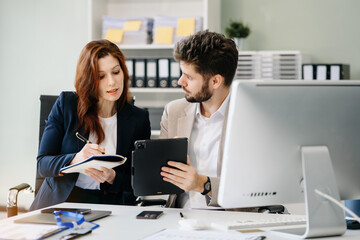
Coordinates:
[268,221]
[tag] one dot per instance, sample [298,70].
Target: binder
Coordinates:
[151,73]
[325,71]
[174,73]
[130,67]
[164,70]
[139,73]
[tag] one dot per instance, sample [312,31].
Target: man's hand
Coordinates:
[184,176]
[101,176]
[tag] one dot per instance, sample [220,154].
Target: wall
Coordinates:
[40,41]
[325,29]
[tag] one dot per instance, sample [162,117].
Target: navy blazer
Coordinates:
[59,145]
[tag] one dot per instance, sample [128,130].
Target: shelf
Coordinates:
[156,90]
[145,46]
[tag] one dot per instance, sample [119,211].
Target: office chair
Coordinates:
[46,104]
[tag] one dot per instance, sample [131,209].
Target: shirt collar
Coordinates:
[221,110]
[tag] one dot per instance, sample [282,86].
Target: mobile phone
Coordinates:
[76,210]
[149,215]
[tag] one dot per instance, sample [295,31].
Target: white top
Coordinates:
[109,126]
[204,148]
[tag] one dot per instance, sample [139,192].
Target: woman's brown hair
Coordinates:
[87,84]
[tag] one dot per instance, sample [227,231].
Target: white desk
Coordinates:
[122,224]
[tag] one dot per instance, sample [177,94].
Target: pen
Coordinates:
[182,216]
[82,138]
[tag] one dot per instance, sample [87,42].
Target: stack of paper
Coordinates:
[127,31]
[282,64]
[169,30]
[248,65]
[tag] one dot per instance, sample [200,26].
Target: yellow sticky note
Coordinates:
[132,25]
[115,35]
[164,35]
[185,27]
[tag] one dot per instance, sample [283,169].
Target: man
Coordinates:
[208,62]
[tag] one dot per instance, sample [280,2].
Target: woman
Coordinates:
[100,111]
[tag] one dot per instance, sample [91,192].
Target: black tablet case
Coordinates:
[148,158]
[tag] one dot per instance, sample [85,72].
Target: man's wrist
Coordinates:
[201,182]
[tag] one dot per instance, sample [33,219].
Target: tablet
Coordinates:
[148,158]
[48,218]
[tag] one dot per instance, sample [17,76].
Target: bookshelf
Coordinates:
[209,10]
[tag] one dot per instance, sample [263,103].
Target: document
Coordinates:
[108,161]
[202,235]
[27,231]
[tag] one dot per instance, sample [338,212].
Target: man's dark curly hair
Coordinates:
[211,53]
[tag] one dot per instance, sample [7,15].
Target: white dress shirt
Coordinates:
[109,126]
[204,148]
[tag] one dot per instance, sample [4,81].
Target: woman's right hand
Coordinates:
[89,150]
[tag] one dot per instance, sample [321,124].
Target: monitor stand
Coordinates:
[324,218]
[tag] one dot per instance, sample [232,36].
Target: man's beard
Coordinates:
[201,96]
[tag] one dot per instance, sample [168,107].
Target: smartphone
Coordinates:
[149,215]
[76,210]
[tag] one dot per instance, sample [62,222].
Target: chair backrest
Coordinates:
[46,104]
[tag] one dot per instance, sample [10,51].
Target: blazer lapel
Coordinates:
[186,122]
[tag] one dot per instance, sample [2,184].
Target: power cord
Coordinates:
[330,198]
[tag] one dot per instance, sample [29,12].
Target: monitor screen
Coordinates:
[273,125]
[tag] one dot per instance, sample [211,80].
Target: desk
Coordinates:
[122,224]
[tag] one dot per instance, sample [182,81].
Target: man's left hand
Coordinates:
[184,176]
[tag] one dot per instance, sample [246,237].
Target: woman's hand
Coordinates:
[87,151]
[103,175]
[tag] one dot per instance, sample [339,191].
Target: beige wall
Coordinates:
[327,30]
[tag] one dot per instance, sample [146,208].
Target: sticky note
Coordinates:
[185,27]
[114,35]
[164,35]
[132,25]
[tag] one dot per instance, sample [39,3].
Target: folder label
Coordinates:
[185,27]
[308,72]
[164,35]
[151,73]
[114,35]
[321,72]
[129,66]
[335,72]
[140,73]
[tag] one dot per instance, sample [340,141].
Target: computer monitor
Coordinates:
[286,138]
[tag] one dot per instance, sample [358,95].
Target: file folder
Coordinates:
[151,73]
[174,73]
[130,67]
[164,65]
[139,73]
